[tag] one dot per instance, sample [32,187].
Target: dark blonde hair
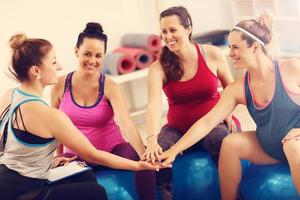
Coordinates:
[261,27]
[26,52]
[168,59]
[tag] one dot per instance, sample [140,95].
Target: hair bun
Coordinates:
[265,20]
[17,40]
[93,27]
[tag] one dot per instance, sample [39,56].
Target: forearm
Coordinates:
[132,135]
[110,160]
[153,120]
[198,131]
[59,149]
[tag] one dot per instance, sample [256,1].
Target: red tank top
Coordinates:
[190,100]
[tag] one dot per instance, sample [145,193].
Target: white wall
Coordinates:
[207,15]
[60,21]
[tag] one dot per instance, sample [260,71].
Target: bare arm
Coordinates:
[232,95]
[120,107]
[55,97]
[223,72]
[68,135]
[154,107]
[156,77]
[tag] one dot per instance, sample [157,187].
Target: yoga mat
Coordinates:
[118,63]
[142,57]
[149,42]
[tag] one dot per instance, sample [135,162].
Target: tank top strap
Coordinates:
[279,83]
[68,82]
[200,56]
[101,84]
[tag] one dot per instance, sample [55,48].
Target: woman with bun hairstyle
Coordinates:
[189,75]
[270,90]
[30,131]
[93,101]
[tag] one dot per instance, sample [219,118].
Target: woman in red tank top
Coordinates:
[189,79]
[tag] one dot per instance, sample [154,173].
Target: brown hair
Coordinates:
[168,59]
[92,30]
[261,27]
[25,54]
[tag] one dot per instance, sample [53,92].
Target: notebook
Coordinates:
[61,172]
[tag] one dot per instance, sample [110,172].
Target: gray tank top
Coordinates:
[25,153]
[276,119]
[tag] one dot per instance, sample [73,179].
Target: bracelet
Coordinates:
[150,136]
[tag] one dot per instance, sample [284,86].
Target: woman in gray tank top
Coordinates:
[30,131]
[270,90]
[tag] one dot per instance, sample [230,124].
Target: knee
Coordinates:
[215,137]
[231,144]
[292,151]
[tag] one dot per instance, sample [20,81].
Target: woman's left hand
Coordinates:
[168,156]
[231,124]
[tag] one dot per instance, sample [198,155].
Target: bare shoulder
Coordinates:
[111,88]
[212,51]
[58,88]
[5,99]
[47,114]
[109,83]
[291,64]
[156,70]
[236,90]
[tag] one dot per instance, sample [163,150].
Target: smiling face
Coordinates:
[90,54]
[173,33]
[240,53]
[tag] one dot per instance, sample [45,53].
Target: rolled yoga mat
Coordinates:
[142,57]
[149,42]
[118,63]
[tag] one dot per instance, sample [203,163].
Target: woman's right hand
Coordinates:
[152,151]
[61,160]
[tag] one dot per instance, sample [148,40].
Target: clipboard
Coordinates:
[65,171]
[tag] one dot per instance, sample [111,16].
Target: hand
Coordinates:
[144,165]
[60,160]
[153,150]
[168,156]
[230,124]
[293,134]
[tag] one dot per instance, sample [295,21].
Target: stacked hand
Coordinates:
[168,156]
[231,124]
[153,151]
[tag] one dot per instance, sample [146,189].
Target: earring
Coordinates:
[38,77]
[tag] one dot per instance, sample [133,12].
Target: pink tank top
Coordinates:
[96,122]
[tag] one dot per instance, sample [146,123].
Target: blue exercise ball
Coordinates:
[119,184]
[195,177]
[268,182]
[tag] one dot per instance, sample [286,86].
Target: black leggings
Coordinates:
[14,186]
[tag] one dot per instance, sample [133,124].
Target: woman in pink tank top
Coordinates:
[92,101]
[190,81]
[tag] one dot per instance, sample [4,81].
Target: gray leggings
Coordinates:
[168,136]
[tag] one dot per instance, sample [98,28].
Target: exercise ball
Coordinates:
[119,184]
[268,182]
[195,176]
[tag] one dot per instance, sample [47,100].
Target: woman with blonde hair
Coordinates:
[30,131]
[270,90]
